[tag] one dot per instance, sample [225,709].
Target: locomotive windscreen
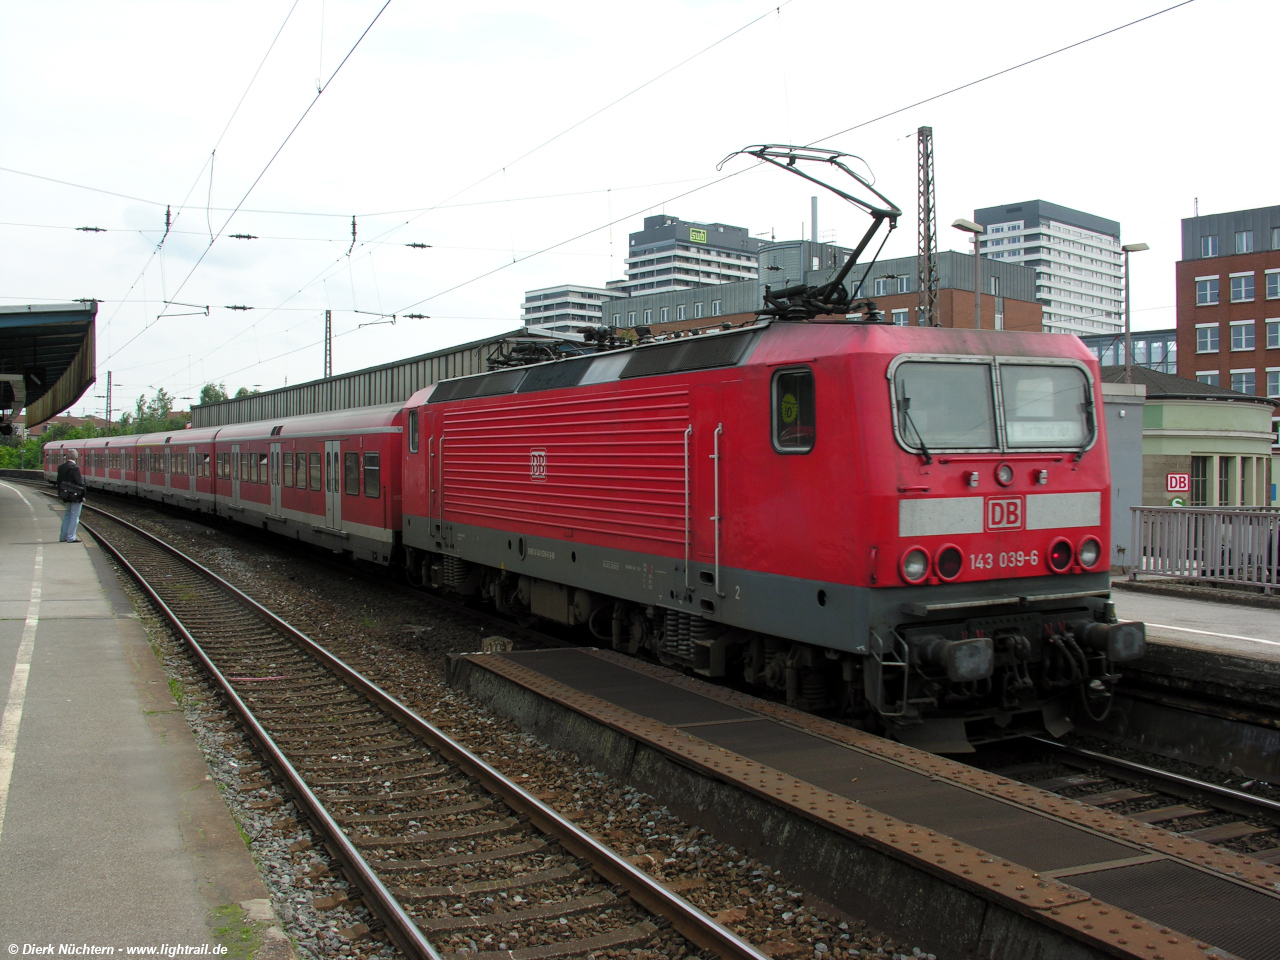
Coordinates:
[946,406]
[950,405]
[1044,406]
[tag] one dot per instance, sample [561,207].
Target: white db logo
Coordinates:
[538,465]
[1004,513]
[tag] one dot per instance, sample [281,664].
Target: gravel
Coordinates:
[399,641]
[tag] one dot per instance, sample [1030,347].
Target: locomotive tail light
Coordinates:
[948,562]
[915,565]
[1042,476]
[1059,555]
[1004,474]
[972,478]
[964,660]
[1119,641]
[1089,552]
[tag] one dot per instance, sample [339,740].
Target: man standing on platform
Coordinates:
[71,490]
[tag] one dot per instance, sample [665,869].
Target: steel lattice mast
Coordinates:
[927,233]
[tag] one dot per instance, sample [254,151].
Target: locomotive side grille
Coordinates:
[695,354]
[612,465]
[552,376]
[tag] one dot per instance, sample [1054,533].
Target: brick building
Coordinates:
[1228,297]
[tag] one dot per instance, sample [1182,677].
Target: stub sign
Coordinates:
[1179,483]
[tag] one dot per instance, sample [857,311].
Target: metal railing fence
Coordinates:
[1233,545]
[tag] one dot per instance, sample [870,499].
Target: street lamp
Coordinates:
[1129,248]
[968,226]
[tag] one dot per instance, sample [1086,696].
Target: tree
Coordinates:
[213,393]
[246,392]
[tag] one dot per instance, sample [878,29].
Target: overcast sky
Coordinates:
[425,134]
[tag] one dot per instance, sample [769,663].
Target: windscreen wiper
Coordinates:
[906,412]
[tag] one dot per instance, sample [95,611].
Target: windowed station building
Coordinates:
[1228,301]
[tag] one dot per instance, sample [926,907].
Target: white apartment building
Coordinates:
[564,307]
[1076,256]
[673,254]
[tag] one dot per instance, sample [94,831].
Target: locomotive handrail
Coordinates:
[716,518]
[687,434]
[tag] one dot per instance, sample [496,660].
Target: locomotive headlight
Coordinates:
[949,562]
[1004,474]
[915,564]
[1089,552]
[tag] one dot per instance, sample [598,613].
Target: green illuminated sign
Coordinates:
[697,236]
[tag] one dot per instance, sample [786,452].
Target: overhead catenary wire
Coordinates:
[895,112]
[263,172]
[168,217]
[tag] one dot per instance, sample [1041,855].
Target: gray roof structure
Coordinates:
[47,357]
[1261,220]
[1037,210]
[1166,386]
[391,382]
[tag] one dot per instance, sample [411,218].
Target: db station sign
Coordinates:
[1178,483]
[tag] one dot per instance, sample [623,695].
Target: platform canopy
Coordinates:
[47,358]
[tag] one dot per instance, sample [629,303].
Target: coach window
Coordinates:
[351,474]
[372,475]
[793,411]
[288,469]
[264,475]
[300,470]
[315,471]
[944,406]
[244,467]
[413,431]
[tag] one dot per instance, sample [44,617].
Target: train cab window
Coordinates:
[264,475]
[945,405]
[1045,405]
[288,469]
[372,475]
[351,474]
[315,471]
[413,431]
[793,411]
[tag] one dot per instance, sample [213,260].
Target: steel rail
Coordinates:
[400,926]
[1236,801]
[684,917]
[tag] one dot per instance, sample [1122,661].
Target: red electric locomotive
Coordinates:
[901,525]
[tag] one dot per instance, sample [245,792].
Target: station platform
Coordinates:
[1195,625]
[912,841]
[112,834]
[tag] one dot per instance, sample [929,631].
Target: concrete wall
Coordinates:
[1124,404]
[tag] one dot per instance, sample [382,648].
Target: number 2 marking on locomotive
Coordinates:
[737,593]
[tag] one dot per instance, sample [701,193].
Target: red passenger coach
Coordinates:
[905,524]
[331,479]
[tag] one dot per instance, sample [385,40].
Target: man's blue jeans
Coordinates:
[71,521]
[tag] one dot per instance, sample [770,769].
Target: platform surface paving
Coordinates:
[1200,903]
[111,832]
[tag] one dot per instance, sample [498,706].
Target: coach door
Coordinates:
[191,469]
[170,464]
[333,483]
[235,474]
[275,479]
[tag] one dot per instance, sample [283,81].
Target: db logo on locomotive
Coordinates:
[538,464]
[1004,513]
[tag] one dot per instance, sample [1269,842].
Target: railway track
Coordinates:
[1216,814]
[450,855]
